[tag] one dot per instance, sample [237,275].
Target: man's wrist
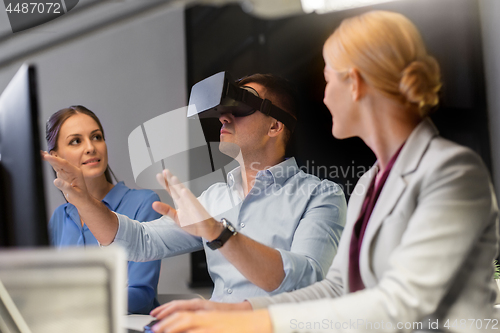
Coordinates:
[216,229]
[93,209]
[227,232]
[87,203]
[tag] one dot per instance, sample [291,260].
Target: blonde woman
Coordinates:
[421,230]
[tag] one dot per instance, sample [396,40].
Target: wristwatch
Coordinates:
[228,231]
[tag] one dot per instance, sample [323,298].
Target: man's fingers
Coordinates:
[177,323]
[167,311]
[160,178]
[174,184]
[165,181]
[59,183]
[64,186]
[165,209]
[176,306]
[43,154]
[56,162]
[180,193]
[157,310]
[63,168]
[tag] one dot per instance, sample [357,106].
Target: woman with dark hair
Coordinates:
[76,135]
[422,223]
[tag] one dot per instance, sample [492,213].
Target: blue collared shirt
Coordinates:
[66,230]
[294,212]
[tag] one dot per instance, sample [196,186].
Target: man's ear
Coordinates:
[276,128]
[358,84]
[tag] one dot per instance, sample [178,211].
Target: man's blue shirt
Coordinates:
[294,212]
[66,230]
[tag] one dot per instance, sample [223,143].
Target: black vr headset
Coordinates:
[217,95]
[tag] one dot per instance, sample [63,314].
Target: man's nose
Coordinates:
[226,118]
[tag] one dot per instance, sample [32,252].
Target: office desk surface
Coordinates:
[137,322]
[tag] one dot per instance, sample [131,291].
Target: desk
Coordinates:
[136,322]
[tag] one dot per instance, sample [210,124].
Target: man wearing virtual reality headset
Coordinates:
[272,228]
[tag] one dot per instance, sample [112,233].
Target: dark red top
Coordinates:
[355,282]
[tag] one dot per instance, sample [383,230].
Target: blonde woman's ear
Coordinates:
[53,153]
[357,84]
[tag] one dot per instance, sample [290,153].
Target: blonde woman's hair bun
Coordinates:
[420,83]
[389,53]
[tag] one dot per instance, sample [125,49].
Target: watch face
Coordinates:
[228,225]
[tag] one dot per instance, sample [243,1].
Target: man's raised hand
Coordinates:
[69,179]
[189,213]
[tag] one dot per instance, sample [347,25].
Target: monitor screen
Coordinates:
[11,320]
[23,221]
[77,290]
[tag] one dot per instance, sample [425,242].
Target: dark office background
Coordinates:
[228,39]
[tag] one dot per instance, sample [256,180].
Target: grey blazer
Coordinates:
[426,256]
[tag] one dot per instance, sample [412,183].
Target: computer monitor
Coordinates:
[23,221]
[11,320]
[78,290]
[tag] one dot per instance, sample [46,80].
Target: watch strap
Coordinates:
[224,236]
